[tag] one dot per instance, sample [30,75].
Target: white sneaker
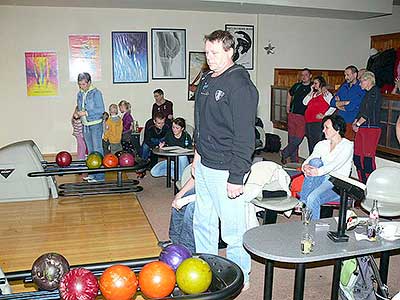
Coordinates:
[92,180]
[87,177]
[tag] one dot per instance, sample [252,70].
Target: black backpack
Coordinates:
[272,142]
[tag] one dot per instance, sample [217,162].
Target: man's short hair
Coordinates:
[159,91]
[158,115]
[307,70]
[352,68]
[338,123]
[227,39]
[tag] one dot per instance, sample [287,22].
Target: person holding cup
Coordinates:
[334,154]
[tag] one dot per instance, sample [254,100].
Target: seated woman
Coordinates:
[335,153]
[177,137]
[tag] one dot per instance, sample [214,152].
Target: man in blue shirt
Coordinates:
[348,99]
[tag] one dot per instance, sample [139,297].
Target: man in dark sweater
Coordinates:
[155,134]
[225,110]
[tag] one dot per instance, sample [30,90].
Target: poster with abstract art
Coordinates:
[197,66]
[84,56]
[244,44]
[169,53]
[129,57]
[41,73]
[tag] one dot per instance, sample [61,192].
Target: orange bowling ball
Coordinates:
[157,280]
[110,161]
[118,283]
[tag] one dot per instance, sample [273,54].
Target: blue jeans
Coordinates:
[212,202]
[317,190]
[160,169]
[181,226]
[93,136]
[146,149]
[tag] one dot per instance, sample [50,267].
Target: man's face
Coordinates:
[158,97]
[305,77]
[217,58]
[349,76]
[159,123]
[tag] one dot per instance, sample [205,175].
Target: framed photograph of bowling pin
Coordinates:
[244,44]
[129,57]
[168,53]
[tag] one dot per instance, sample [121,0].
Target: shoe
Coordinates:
[298,208]
[246,286]
[288,213]
[92,180]
[87,177]
[283,159]
[164,244]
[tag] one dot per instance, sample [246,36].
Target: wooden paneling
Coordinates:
[385,41]
[288,77]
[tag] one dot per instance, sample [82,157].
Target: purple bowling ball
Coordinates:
[316,162]
[173,255]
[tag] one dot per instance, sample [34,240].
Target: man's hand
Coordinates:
[196,158]
[234,190]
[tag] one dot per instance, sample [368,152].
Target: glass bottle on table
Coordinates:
[307,242]
[373,221]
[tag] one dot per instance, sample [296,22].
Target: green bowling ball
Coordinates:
[193,276]
[94,160]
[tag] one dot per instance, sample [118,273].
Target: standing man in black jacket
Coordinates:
[225,110]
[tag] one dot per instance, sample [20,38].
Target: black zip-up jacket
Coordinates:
[225,111]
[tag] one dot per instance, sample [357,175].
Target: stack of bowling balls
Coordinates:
[157,279]
[95,160]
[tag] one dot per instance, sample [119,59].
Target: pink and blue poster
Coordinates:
[41,73]
[84,56]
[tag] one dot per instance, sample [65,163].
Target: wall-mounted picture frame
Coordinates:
[244,44]
[197,66]
[168,53]
[129,57]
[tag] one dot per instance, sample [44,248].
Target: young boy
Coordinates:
[154,135]
[113,130]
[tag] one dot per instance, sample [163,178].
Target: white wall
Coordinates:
[47,119]
[314,43]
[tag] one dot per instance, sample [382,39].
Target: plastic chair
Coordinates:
[383,185]
[190,130]
[186,174]
[262,138]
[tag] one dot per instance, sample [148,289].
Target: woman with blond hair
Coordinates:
[367,128]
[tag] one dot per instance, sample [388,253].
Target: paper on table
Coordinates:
[176,149]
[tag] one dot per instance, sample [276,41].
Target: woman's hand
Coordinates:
[161,145]
[319,116]
[82,113]
[310,170]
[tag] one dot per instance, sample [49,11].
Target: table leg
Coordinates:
[176,173]
[384,266]
[168,171]
[268,279]
[336,279]
[299,281]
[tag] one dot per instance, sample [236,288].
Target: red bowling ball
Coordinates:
[79,284]
[63,159]
[110,161]
[126,160]
[118,282]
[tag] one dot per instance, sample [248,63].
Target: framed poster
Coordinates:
[129,57]
[41,73]
[197,66]
[84,56]
[168,53]
[244,44]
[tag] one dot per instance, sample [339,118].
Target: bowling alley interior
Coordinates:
[63,223]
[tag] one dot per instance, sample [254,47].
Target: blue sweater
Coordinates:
[354,94]
[94,104]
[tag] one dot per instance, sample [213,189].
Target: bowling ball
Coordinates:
[63,159]
[156,280]
[48,269]
[110,161]
[193,276]
[126,160]
[118,283]
[119,153]
[316,162]
[98,153]
[94,161]
[173,255]
[79,284]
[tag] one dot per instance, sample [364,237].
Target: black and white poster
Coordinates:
[244,44]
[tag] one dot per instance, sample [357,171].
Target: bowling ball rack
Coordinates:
[85,188]
[227,279]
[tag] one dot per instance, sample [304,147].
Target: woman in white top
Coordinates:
[335,154]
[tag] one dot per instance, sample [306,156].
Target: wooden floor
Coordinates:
[84,230]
